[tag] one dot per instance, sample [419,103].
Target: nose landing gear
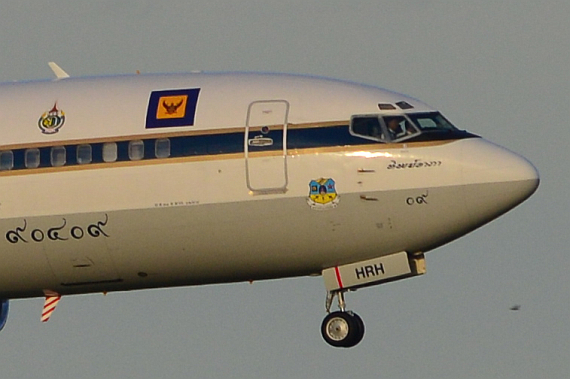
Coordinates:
[341,328]
[345,328]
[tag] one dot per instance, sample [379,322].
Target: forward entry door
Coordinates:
[266,146]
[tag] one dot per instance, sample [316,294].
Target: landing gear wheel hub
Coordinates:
[337,329]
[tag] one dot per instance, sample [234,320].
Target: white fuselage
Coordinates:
[236,203]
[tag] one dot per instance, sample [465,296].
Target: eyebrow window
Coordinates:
[6,160]
[84,155]
[109,152]
[136,150]
[32,158]
[57,156]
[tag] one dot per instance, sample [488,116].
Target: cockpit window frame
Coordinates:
[386,136]
[432,115]
[383,131]
[443,127]
[411,126]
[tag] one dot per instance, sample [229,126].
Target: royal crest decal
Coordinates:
[322,194]
[172,108]
[52,120]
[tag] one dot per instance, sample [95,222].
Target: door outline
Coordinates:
[250,142]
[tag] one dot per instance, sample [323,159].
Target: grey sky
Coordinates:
[498,69]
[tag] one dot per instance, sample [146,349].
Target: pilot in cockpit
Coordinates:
[397,126]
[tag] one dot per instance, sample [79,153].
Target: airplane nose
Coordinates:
[496,180]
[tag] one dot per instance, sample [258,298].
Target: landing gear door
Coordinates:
[77,250]
[266,146]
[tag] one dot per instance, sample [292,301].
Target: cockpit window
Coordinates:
[403,127]
[368,127]
[383,129]
[399,127]
[432,121]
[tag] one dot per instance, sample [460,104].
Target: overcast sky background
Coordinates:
[499,69]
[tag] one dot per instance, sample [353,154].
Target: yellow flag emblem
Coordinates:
[171,107]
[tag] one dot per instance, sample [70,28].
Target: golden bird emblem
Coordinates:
[172,108]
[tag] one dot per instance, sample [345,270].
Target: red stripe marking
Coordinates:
[49,306]
[338,278]
[54,300]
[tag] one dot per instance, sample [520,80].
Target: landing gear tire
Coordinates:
[360,327]
[342,329]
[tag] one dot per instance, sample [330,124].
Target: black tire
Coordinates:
[360,335]
[342,329]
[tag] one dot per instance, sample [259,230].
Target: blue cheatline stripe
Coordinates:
[228,143]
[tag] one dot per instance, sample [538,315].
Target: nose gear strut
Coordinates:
[341,328]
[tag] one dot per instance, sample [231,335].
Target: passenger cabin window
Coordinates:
[136,150]
[84,155]
[6,160]
[162,148]
[110,152]
[32,158]
[57,156]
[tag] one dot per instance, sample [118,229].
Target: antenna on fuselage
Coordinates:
[58,71]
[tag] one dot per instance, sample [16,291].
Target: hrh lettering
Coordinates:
[368,271]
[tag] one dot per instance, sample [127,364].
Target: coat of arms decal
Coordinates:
[52,120]
[322,194]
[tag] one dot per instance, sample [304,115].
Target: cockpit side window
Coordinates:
[399,127]
[368,127]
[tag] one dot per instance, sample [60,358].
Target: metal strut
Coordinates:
[330,298]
